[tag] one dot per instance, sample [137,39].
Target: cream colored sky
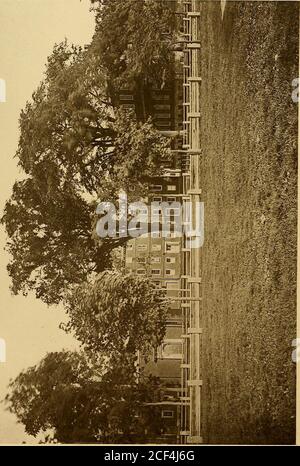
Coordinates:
[28,31]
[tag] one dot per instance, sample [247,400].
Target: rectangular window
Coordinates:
[170,272]
[165,123]
[172,247]
[171,199]
[126,97]
[155,271]
[171,187]
[141,271]
[162,107]
[156,234]
[156,211]
[170,260]
[157,199]
[142,211]
[158,96]
[156,247]
[167,414]
[156,187]
[141,260]
[142,247]
[155,260]
[163,116]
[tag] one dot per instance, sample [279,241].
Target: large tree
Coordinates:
[118,314]
[71,399]
[74,150]
[134,40]
[50,240]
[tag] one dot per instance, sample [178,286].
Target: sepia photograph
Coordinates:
[148,223]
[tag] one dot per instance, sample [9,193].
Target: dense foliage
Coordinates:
[118,314]
[74,150]
[69,400]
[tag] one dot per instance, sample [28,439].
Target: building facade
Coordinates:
[157,255]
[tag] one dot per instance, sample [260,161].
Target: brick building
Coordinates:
[159,256]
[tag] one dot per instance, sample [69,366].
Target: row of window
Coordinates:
[174,285]
[162,107]
[168,199]
[169,247]
[127,97]
[155,96]
[162,124]
[169,234]
[158,187]
[153,260]
[164,116]
[156,210]
[167,414]
[159,96]
[156,272]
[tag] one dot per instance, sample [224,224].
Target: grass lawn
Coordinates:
[249,182]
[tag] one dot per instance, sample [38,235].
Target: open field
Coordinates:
[249,181]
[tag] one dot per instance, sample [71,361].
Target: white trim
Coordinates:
[167,411]
[171,187]
[156,188]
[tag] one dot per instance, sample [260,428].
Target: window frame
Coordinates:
[156,274]
[167,411]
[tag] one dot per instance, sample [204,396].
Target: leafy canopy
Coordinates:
[134,39]
[75,150]
[118,314]
[79,401]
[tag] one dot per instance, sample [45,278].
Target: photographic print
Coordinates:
[148,266]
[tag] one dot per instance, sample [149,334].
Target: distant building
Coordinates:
[159,257]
